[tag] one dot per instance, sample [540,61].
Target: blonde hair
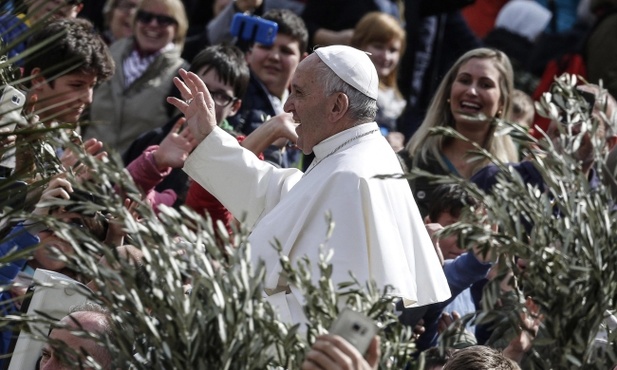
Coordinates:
[423,143]
[176,8]
[379,27]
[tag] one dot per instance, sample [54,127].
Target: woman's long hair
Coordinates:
[424,144]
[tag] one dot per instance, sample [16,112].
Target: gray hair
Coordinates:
[362,108]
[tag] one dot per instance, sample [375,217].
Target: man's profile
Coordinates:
[378,234]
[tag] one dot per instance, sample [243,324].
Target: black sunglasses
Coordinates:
[147,17]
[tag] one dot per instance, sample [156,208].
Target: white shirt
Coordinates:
[378,235]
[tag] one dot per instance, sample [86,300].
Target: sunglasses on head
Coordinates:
[147,17]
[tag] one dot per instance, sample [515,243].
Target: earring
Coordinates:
[448,100]
[499,113]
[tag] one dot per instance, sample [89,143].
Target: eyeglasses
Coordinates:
[147,17]
[221,99]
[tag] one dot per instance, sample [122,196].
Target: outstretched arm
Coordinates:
[268,133]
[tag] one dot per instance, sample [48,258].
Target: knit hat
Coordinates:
[352,66]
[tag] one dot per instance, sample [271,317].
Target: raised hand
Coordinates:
[197,106]
[91,146]
[175,147]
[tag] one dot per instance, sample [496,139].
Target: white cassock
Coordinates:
[378,234]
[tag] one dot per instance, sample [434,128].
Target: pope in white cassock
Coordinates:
[378,234]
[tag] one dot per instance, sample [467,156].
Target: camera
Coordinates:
[11,102]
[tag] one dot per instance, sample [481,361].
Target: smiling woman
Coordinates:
[475,91]
[133,101]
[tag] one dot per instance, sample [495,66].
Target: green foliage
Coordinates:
[566,233]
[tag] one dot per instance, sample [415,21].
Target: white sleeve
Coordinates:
[247,186]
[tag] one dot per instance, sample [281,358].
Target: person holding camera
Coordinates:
[331,352]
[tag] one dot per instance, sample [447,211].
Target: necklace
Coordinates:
[315,164]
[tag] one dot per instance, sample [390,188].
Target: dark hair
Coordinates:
[479,358]
[435,357]
[69,46]
[451,198]
[228,62]
[290,25]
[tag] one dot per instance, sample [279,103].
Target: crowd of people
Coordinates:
[284,136]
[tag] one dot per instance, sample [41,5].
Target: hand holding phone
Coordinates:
[11,104]
[356,328]
[332,352]
[253,29]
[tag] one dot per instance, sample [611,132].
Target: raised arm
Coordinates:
[270,132]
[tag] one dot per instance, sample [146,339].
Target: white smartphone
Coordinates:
[11,104]
[356,328]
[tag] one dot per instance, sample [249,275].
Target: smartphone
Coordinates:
[254,29]
[356,328]
[11,103]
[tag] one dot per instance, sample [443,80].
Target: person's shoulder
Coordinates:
[121,48]
[486,177]
[10,23]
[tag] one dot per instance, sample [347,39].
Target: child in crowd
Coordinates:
[272,68]
[522,109]
[479,358]
[462,268]
[382,36]
[224,70]
[62,75]
[59,78]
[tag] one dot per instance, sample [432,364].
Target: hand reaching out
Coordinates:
[530,321]
[446,320]
[432,229]
[278,130]
[175,147]
[331,352]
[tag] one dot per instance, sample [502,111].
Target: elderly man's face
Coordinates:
[307,103]
[51,359]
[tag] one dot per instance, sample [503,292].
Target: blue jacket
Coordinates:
[461,273]
[256,106]
[11,28]
[18,240]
